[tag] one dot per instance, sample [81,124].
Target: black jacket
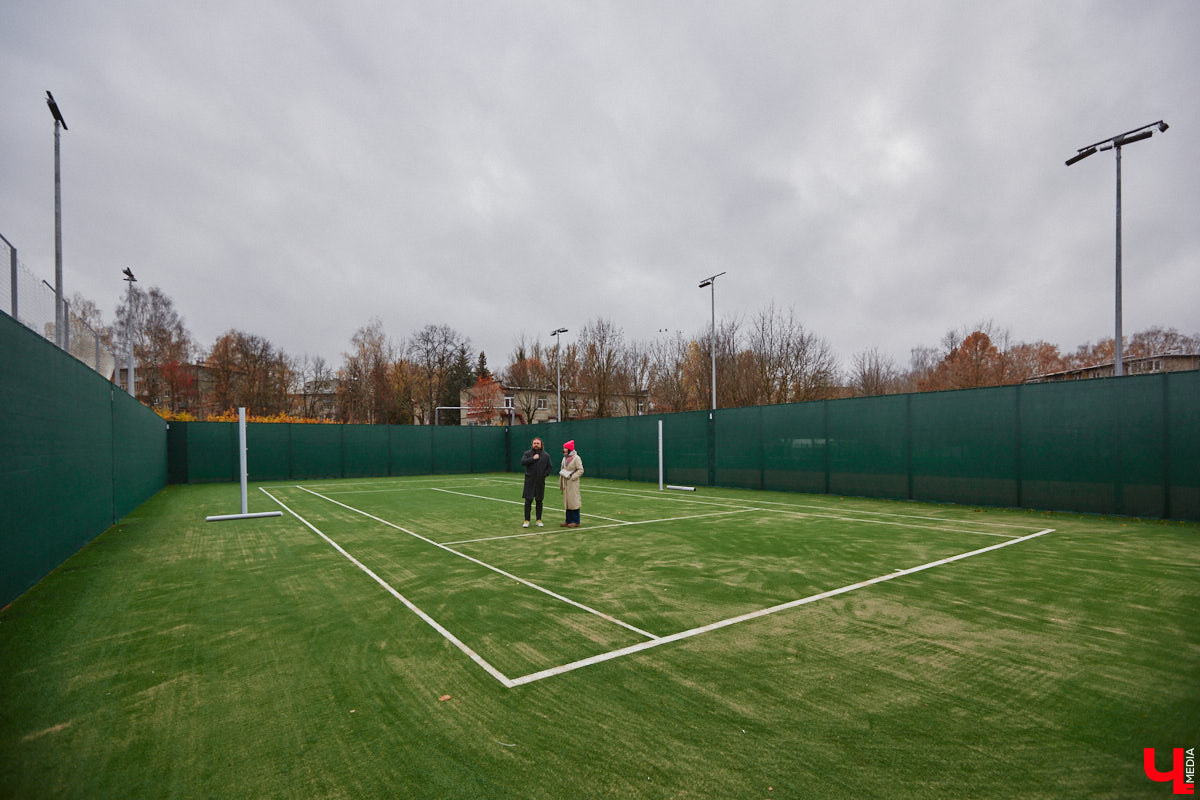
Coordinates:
[536,472]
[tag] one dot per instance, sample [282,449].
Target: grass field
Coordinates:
[406,638]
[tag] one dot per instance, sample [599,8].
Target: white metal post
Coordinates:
[242,448]
[660,456]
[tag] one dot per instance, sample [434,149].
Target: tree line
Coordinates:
[769,358]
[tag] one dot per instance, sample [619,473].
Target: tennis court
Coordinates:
[406,637]
[647,569]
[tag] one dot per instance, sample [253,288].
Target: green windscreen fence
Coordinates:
[78,454]
[1121,446]
[1116,446]
[207,452]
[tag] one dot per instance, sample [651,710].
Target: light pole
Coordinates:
[59,321]
[1116,143]
[713,335]
[129,328]
[558,367]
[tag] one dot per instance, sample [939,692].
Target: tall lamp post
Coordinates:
[129,328]
[712,281]
[59,315]
[557,334]
[1116,143]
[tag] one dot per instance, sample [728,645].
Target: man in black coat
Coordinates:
[537,467]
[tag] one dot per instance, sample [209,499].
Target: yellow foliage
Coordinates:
[231,415]
[175,416]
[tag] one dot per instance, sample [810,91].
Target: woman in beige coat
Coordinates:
[568,484]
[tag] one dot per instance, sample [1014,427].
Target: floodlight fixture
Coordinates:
[129,275]
[58,117]
[1116,143]
[1081,155]
[1137,137]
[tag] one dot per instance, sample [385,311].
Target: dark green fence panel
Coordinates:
[795,447]
[177,457]
[212,452]
[686,448]
[869,447]
[965,446]
[139,453]
[740,447]
[489,448]
[1182,404]
[59,486]
[1092,446]
[366,450]
[641,441]
[411,450]
[268,451]
[316,451]
[452,450]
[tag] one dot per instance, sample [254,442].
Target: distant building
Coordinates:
[1141,365]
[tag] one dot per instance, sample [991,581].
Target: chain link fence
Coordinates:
[30,300]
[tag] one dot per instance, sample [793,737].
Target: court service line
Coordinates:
[733,503]
[514,502]
[428,620]
[484,564]
[595,527]
[675,637]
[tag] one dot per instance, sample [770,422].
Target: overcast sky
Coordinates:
[889,170]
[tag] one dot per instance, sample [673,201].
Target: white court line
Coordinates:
[613,654]
[734,504]
[514,502]
[484,564]
[674,637]
[595,527]
[450,637]
[654,494]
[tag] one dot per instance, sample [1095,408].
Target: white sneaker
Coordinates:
[525,524]
[539,524]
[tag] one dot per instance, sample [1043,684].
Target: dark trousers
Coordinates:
[528,503]
[573,515]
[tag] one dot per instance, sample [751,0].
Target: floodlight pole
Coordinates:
[59,315]
[129,279]
[712,343]
[1116,143]
[557,334]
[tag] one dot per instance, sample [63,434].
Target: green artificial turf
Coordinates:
[177,658]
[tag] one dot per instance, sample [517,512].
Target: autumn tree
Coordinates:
[162,347]
[248,371]
[369,389]
[486,398]
[527,370]
[668,382]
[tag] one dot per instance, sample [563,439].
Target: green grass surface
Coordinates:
[177,658]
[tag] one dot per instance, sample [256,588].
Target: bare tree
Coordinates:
[433,351]
[873,373]
[601,347]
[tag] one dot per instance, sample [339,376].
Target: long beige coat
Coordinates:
[570,486]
